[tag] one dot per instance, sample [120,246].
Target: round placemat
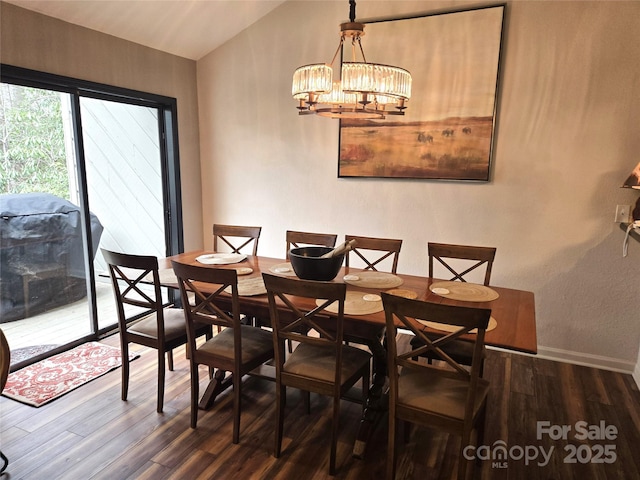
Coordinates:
[355,304]
[468,292]
[248,287]
[369,279]
[284,269]
[493,323]
[401,292]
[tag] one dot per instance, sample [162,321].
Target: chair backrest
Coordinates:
[135,282]
[297,239]
[207,284]
[476,256]
[408,314]
[368,249]
[5,360]
[295,321]
[235,237]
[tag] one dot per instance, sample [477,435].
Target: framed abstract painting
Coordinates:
[447,130]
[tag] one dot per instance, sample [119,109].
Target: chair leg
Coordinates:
[281,392]
[306,400]
[407,431]
[480,434]
[195,384]
[124,347]
[465,466]
[334,434]
[462,467]
[237,395]
[161,371]
[391,448]
[366,386]
[170,360]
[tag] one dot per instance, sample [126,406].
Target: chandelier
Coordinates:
[364,90]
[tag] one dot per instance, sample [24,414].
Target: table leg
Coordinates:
[376,404]
[217,385]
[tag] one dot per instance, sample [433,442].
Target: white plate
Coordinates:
[370,297]
[441,291]
[221,258]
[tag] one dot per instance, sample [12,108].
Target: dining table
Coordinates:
[512,326]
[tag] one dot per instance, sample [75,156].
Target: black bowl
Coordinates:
[308,266]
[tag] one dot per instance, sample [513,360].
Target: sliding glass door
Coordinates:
[124,184]
[84,167]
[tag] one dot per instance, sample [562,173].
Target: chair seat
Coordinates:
[441,395]
[174,325]
[319,362]
[256,342]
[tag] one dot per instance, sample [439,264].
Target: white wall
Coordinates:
[567,137]
[636,372]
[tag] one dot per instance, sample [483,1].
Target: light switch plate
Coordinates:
[623,214]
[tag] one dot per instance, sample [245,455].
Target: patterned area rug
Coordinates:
[52,377]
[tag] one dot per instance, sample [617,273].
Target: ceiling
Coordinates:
[188,28]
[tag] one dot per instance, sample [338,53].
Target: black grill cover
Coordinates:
[41,245]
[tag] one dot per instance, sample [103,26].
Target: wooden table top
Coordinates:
[514,310]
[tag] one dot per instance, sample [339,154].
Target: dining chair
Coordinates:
[320,364]
[136,283]
[296,239]
[235,237]
[372,251]
[449,396]
[472,258]
[5,363]
[469,259]
[237,349]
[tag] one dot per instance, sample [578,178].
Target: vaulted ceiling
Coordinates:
[188,28]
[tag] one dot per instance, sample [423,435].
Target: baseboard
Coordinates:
[636,374]
[587,360]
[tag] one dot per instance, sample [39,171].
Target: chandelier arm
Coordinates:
[337,51]
[361,49]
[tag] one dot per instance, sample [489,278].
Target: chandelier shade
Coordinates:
[376,79]
[311,79]
[364,90]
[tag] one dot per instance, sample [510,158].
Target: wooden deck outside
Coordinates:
[63,324]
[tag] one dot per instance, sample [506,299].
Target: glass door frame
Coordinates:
[169,157]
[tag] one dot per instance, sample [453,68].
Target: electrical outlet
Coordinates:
[623,213]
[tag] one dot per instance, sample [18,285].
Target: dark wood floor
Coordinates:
[91,434]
